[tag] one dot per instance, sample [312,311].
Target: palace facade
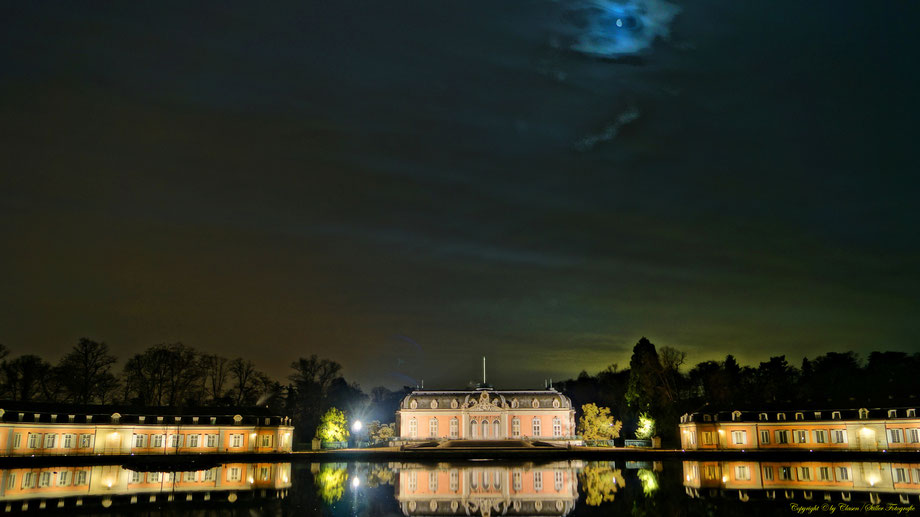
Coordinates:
[52,431]
[487,414]
[861,429]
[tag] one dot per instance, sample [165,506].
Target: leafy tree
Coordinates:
[333,426]
[597,424]
[646,429]
[381,433]
[644,372]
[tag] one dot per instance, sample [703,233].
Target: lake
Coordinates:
[484,488]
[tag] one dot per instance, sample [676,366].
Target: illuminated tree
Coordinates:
[330,481]
[596,423]
[646,428]
[378,432]
[600,482]
[333,427]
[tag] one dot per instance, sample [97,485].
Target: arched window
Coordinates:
[536,426]
[413,428]
[516,427]
[454,428]
[485,429]
[474,429]
[496,429]
[433,428]
[557,427]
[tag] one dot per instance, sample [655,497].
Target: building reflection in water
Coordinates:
[550,489]
[68,487]
[809,481]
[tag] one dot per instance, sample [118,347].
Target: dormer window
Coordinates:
[434,404]
[817,415]
[736,416]
[762,417]
[892,413]
[555,403]
[912,413]
[454,404]
[863,413]
[514,403]
[781,416]
[413,404]
[535,403]
[799,416]
[835,415]
[707,418]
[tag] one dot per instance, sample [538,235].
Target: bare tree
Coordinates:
[85,372]
[216,371]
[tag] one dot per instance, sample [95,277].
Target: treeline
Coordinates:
[177,375]
[658,382]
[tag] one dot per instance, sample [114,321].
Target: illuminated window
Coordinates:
[805,473]
[900,475]
[820,436]
[538,481]
[485,429]
[516,480]
[838,436]
[50,440]
[894,436]
[496,429]
[80,478]
[843,474]
[44,479]
[454,480]
[136,477]
[474,428]
[191,476]
[557,427]
[28,480]
[236,440]
[768,473]
[739,437]
[139,440]
[433,481]
[154,477]
[824,473]
[558,478]
[913,435]
[454,428]
[17,440]
[801,436]
[212,440]
[235,474]
[86,440]
[193,440]
[413,428]
[536,427]
[782,437]
[433,428]
[765,437]
[68,441]
[707,438]
[515,427]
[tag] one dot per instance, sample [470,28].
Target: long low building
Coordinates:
[57,431]
[859,429]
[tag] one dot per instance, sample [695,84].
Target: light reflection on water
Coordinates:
[570,487]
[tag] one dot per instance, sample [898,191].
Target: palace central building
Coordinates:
[487,414]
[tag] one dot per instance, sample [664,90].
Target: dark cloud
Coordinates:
[406,187]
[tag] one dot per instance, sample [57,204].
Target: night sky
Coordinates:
[405,186]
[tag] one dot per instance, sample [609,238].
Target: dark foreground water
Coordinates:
[482,488]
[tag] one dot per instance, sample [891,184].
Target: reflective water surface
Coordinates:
[476,488]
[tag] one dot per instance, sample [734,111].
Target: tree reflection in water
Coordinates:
[600,482]
[330,481]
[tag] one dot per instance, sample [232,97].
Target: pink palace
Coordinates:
[487,414]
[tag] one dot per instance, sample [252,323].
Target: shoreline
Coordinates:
[201,461]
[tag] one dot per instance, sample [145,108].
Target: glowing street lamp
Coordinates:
[356,426]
